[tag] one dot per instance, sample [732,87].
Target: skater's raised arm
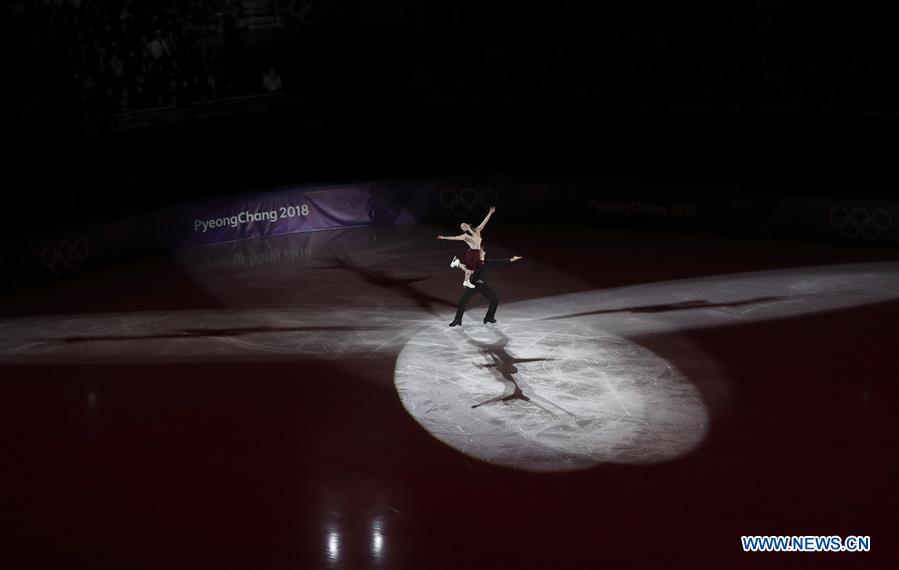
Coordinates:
[486,218]
[455,238]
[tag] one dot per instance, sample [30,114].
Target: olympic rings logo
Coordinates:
[65,256]
[468,201]
[311,11]
[860,222]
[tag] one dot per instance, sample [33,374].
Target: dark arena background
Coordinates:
[224,312]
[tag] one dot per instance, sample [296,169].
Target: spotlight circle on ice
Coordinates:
[548,396]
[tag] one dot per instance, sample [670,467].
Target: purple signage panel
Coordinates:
[274,213]
[65,251]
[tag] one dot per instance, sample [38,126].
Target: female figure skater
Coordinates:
[472,258]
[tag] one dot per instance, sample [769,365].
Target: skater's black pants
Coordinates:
[484,290]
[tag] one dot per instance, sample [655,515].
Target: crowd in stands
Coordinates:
[96,57]
[762,51]
[438,65]
[765,50]
[104,57]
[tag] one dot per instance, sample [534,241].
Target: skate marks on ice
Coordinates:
[541,396]
[722,300]
[204,336]
[568,382]
[325,331]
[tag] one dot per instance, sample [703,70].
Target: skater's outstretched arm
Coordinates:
[513,259]
[486,218]
[456,238]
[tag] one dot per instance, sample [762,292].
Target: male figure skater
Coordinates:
[479,277]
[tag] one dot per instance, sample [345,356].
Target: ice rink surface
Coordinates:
[643,400]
